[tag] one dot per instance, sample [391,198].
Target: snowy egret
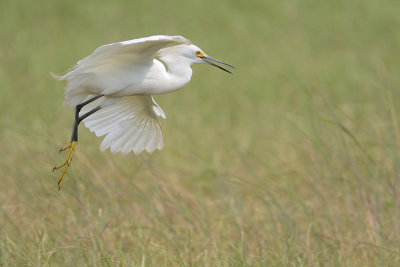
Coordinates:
[111,91]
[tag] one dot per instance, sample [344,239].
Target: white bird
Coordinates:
[112,90]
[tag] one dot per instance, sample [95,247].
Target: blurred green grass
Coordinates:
[293,160]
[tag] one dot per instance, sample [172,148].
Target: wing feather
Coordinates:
[129,125]
[145,48]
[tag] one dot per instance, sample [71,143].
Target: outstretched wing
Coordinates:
[142,49]
[129,125]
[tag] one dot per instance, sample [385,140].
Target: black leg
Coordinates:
[78,121]
[74,138]
[81,105]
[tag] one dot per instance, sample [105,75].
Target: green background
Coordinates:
[292,161]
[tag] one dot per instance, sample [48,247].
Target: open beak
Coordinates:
[208,60]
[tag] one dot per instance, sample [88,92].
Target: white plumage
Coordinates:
[130,125]
[127,74]
[119,69]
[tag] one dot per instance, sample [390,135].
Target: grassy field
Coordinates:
[292,161]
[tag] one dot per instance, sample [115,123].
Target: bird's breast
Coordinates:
[152,79]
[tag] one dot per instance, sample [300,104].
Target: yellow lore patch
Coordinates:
[200,54]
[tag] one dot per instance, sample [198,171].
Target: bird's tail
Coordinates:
[75,93]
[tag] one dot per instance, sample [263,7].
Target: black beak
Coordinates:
[208,58]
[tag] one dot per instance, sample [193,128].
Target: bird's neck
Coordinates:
[179,72]
[182,70]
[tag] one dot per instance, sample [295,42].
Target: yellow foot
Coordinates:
[71,150]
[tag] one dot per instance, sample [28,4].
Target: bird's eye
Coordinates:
[198,53]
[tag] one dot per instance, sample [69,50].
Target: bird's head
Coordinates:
[191,54]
